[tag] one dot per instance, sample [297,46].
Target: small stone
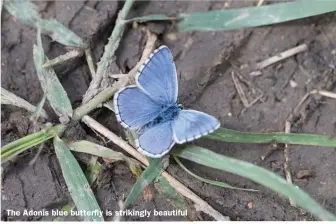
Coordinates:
[303,174]
[293,84]
[250,204]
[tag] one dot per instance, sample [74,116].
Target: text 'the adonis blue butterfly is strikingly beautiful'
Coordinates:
[150,108]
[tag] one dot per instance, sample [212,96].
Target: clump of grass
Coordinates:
[78,184]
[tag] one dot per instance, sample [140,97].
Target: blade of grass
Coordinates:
[106,153]
[230,19]
[75,179]
[93,170]
[109,50]
[27,13]
[12,99]
[14,148]
[66,208]
[39,109]
[153,17]
[148,175]
[213,182]
[228,135]
[170,194]
[51,86]
[258,174]
[101,151]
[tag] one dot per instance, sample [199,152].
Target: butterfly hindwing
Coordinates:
[156,141]
[191,124]
[158,78]
[134,108]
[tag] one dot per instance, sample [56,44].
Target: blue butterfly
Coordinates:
[150,108]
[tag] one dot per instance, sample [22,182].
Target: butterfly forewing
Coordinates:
[191,124]
[134,108]
[158,78]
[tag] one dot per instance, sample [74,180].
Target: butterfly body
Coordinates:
[150,108]
[167,114]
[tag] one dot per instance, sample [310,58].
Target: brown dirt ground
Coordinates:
[204,62]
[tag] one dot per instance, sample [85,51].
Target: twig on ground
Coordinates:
[305,97]
[260,2]
[89,59]
[12,99]
[227,4]
[118,76]
[241,92]
[179,187]
[281,56]
[286,161]
[63,58]
[324,93]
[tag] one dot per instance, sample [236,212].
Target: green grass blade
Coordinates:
[66,208]
[23,147]
[98,150]
[213,182]
[16,147]
[230,19]
[153,17]
[93,170]
[228,135]
[148,175]
[75,179]
[60,33]
[170,194]
[51,86]
[257,174]
[27,13]
[39,108]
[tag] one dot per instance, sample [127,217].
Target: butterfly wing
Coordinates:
[156,141]
[134,108]
[157,77]
[191,124]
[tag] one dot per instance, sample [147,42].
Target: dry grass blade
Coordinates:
[63,58]
[282,56]
[100,151]
[50,84]
[12,99]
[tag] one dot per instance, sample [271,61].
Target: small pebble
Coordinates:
[293,84]
[303,174]
[250,204]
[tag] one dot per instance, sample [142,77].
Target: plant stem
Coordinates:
[109,51]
